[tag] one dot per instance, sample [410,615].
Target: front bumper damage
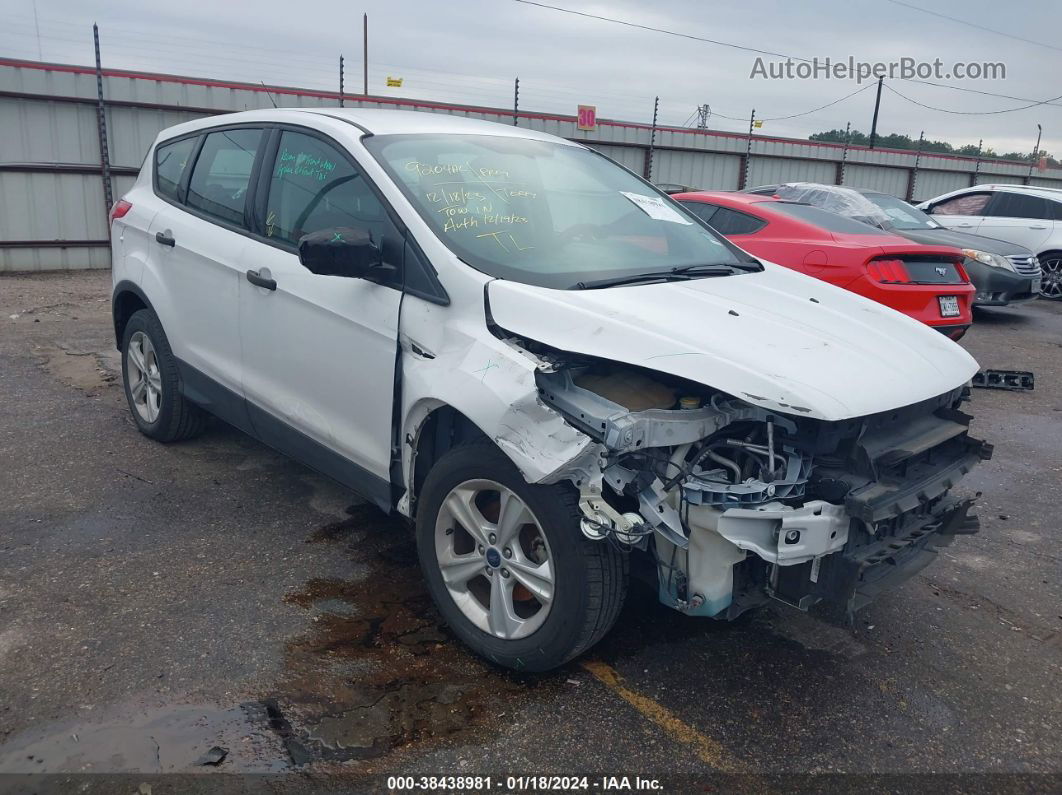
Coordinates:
[738,505]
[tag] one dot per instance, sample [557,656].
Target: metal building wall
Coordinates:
[771,170]
[933,183]
[887,180]
[629,156]
[54,215]
[697,169]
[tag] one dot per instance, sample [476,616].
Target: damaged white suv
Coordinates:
[548,365]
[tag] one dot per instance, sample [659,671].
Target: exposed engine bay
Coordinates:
[735,504]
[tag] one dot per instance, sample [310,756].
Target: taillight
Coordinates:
[962,272]
[120,208]
[890,271]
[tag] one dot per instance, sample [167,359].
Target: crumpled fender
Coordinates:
[492,383]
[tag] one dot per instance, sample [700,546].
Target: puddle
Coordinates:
[163,740]
[378,670]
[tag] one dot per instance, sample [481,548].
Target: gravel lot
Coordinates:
[156,601]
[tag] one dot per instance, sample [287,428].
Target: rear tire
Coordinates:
[152,382]
[538,559]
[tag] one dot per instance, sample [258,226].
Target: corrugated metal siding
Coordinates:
[628,156]
[1046,183]
[887,180]
[51,207]
[54,259]
[771,170]
[48,132]
[996,179]
[696,169]
[69,206]
[931,184]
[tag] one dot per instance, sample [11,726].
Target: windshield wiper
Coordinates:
[713,270]
[680,274]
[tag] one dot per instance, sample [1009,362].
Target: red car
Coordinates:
[927,283]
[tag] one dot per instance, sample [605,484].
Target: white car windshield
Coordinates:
[549,214]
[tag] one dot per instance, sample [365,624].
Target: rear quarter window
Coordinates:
[170,162]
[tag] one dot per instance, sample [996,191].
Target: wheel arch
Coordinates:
[126,299]
[434,428]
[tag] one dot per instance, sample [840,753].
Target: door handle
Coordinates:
[1037,226]
[165,239]
[258,281]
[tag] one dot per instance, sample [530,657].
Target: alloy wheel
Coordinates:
[494,559]
[143,376]
[1051,280]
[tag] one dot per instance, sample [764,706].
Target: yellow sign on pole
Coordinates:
[394,82]
[757,124]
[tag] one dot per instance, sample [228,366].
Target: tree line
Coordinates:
[898,141]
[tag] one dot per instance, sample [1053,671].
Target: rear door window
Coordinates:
[1017,205]
[222,174]
[170,160]
[967,204]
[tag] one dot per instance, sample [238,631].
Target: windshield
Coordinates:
[545,213]
[901,214]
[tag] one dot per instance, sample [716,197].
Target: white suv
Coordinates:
[540,359]
[1020,214]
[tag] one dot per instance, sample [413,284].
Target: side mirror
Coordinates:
[339,251]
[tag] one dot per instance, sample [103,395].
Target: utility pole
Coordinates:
[516,101]
[748,152]
[914,171]
[977,163]
[1036,150]
[340,81]
[365,52]
[874,123]
[704,112]
[101,124]
[844,153]
[652,143]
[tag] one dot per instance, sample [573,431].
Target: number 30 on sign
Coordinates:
[587,117]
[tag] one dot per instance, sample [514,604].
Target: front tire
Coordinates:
[507,565]
[1051,277]
[152,382]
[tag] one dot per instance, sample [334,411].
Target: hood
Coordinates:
[777,339]
[950,237]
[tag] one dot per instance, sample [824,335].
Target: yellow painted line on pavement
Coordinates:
[707,749]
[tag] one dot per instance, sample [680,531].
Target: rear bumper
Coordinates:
[919,301]
[953,332]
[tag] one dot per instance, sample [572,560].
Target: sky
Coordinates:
[470,51]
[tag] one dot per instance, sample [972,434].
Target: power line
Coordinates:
[751,49]
[661,30]
[969,112]
[975,25]
[983,93]
[821,107]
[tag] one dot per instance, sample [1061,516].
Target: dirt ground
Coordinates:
[160,601]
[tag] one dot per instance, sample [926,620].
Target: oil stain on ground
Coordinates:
[378,670]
